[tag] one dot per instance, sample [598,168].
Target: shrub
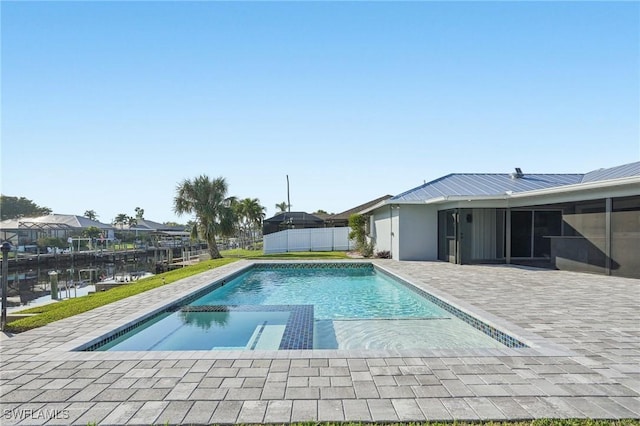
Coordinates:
[52,242]
[357,222]
[385,254]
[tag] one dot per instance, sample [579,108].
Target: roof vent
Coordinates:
[518,174]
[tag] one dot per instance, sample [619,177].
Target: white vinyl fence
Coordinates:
[312,239]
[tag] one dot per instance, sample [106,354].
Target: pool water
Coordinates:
[181,331]
[334,293]
[305,308]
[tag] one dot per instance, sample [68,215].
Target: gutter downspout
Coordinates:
[391,231]
[607,235]
[507,239]
[458,238]
[507,231]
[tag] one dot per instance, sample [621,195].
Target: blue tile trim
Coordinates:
[311,265]
[257,339]
[298,334]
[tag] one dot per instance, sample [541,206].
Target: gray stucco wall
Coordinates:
[418,232]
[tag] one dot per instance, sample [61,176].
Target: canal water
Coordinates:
[31,282]
[29,276]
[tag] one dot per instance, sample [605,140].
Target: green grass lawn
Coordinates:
[70,307]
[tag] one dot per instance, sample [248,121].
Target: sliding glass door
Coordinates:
[529,232]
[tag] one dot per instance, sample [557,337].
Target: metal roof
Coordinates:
[149,225]
[494,184]
[295,217]
[71,221]
[626,170]
[485,184]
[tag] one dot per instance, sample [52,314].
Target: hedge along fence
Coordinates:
[70,307]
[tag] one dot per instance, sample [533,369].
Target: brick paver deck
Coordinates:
[584,362]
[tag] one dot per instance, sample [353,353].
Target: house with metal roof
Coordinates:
[27,230]
[290,220]
[584,222]
[162,233]
[156,228]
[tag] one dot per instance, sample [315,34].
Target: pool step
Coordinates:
[266,337]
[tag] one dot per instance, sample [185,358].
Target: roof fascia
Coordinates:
[375,206]
[589,186]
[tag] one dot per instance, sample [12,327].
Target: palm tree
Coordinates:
[139,213]
[249,214]
[131,222]
[91,214]
[256,214]
[206,199]
[121,220]
[282,207]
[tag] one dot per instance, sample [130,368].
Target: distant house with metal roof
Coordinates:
[291,220]
[27,230]
[301,220]
[163,234]
[145,225]
[586,222]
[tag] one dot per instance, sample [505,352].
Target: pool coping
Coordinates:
[73,349]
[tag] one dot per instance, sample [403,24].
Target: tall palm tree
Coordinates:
[282,207]
[207,199]
[250,215]
[256,213]
[131,222]
[91,214]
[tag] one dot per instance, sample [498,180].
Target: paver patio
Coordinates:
[585,362]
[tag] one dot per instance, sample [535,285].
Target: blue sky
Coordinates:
[109,105]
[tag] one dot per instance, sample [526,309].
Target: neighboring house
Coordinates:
[27,230]
[290,220]
[584,222]
[159,231]
[144,225]
[342,219]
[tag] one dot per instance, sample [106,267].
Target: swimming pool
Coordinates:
[310,306]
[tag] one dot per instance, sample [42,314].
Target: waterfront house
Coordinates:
[580,221]
[25,231]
